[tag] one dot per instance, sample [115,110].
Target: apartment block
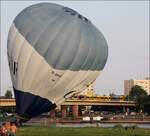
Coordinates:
[144,83]
[89,90]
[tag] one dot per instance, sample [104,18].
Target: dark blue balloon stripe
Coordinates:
[29,105]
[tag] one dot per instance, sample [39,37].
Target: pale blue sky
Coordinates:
[125,25]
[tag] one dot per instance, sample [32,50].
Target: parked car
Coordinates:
[97,118]
[86,118]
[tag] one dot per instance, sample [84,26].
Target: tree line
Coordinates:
[140,97]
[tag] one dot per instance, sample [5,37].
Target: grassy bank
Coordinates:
[79,131]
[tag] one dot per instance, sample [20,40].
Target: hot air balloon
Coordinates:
[53,52]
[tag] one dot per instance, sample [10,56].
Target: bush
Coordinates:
[118,126]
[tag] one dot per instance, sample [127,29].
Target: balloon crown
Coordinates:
[75,13]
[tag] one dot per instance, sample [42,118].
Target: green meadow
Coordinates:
[81,131]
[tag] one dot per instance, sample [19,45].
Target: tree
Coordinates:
[143,103]
[136,91]
[112,94]
[8,94]
[147,104]
[140,97]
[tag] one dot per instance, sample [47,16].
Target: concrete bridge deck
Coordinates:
[11,102]
[100,103]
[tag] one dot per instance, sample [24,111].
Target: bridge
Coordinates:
[74,104]
[11,102]
[98,103]
[7,102]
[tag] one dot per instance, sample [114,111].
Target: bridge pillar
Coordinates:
[52,113]
[75,111]
[63,111]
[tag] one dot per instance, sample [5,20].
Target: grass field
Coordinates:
[81,131]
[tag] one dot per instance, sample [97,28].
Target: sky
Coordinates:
[125,26]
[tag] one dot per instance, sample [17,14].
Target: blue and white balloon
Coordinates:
[53,52]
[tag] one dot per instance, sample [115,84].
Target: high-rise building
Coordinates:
[89,90]
[128,84]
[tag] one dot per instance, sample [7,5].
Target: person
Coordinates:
[20,122]
[7,125]
[16,123]
[3,130]
[133,127]
[13,130]
[126,128]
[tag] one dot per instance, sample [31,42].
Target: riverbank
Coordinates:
[81,131]
[79,120]
[138,121]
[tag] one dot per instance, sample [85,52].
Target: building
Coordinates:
[145,84]
[89,90]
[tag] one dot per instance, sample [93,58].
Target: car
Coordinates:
[97,118]
[8,114]
[86,118]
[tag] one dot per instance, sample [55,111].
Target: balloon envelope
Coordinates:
[53,52]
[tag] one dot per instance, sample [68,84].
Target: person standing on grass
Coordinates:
[7,125]
[13,130]
[3,130]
